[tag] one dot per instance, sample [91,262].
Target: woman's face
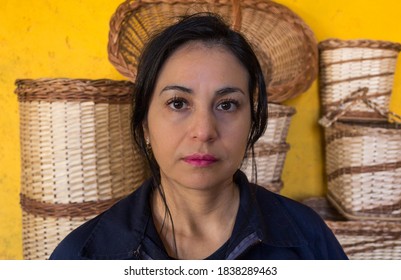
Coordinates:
[199,117]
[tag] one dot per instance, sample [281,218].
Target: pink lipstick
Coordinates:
[200,160]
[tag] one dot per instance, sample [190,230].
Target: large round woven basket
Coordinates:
[271,149]
[77,155]
[361,240]
[363,164]
[284,44]
[356,78]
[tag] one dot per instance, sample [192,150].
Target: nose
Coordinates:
[203,126]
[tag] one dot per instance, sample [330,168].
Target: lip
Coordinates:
[200,160]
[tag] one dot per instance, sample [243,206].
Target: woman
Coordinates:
[200,106]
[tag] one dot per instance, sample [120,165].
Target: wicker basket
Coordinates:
[363,164]
[77,155]
[369,240]
[271,149]
[276,33]
[356,79]
[361,240]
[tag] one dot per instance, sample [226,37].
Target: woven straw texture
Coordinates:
[361,240]
[356,79]
[363,164]
[271,149]
[369,240]
[77,155]
[284,44]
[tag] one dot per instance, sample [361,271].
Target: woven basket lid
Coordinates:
[273,30]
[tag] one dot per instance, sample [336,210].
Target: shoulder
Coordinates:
[302,220]
[293,209]
[114,223]
[69,248]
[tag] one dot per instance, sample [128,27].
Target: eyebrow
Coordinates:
[177,88]
[228,90]
[220,92]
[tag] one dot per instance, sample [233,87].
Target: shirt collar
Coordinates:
[125,225]
[121,229]
[264,214]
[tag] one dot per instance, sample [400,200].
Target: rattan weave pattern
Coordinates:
[284,44]
[369,240]
[271,149]
[98,91]
[363,166]
[360,239]
[77,155]
[347,66]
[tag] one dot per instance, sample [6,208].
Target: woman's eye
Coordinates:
[177,104]
[228,106]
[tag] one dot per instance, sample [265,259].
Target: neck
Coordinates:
[196,218]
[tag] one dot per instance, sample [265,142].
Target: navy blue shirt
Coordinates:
[267,226]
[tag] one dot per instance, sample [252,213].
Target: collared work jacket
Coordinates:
[267,226]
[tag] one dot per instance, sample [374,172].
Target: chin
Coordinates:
[202,181]
[199,177]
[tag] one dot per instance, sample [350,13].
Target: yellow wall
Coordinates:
[68,39]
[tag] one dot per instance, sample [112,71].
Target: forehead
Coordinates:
[206,46]
[202,57]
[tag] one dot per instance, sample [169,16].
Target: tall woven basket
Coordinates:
[363,164]
[284,43]
[271,149]
[356,79]
[77,155]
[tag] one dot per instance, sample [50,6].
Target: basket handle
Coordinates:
[394,117]
[347,103]
[236,15]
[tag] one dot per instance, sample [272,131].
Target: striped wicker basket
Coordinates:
[361,240]
[363,164]
[369,240]
[77,155]
[271,149]
[285,45]
[356,79]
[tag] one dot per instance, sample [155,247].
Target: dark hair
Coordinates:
[210,29]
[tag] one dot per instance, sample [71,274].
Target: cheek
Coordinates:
[155,119]
[163,132]
[236,132]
